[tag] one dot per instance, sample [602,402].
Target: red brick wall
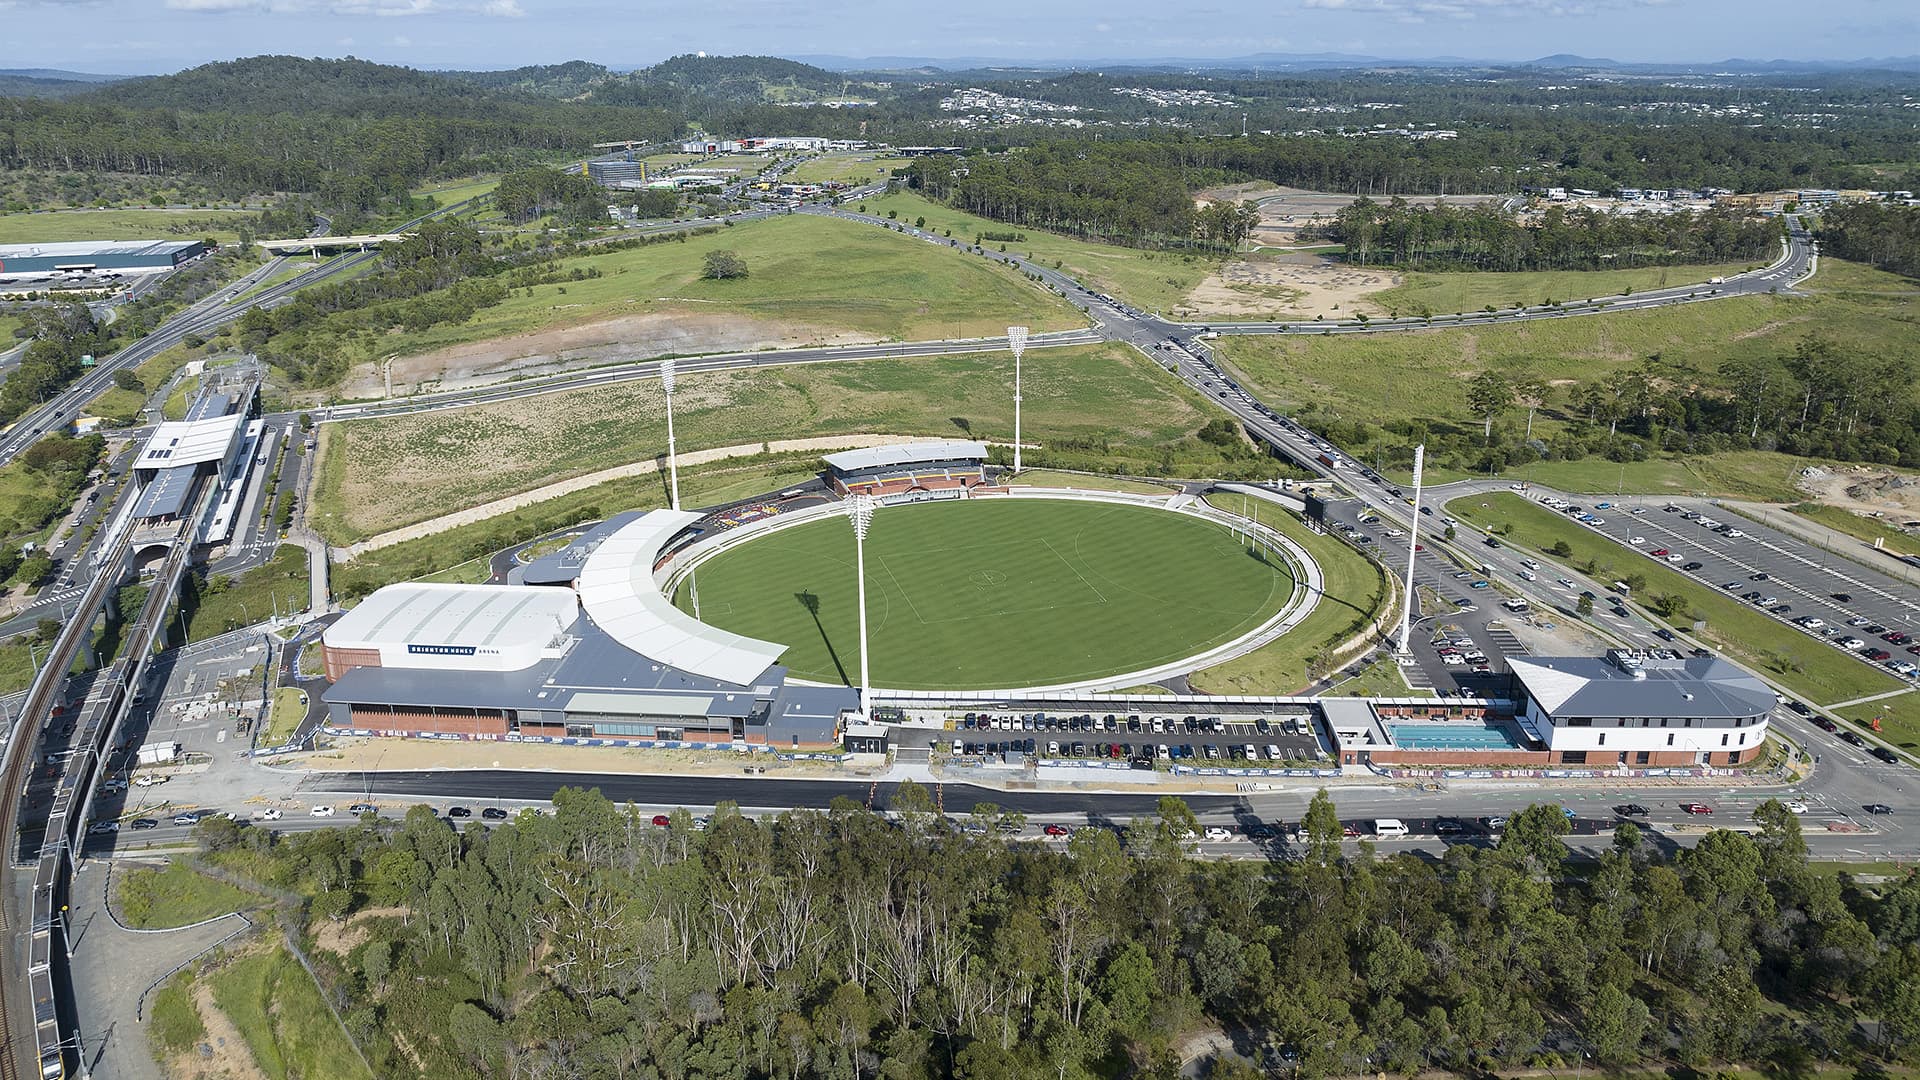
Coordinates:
[425,720]
[339,660]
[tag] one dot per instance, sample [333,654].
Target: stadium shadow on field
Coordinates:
[812,604]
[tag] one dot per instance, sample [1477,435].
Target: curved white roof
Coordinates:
[619,594]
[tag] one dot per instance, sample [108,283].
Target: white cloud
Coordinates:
[1416,11]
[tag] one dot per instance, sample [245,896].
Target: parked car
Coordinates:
[1877,808]
[1795,806]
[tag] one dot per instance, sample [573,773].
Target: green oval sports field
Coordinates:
[993,593]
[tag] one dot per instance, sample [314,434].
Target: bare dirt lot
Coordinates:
[1287,211]
[1864,489]
[1289,285]
[562,348]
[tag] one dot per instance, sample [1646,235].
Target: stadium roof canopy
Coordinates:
[618,591]
[880,457]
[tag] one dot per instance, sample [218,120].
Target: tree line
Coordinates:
[1882,235]
[593,942]
[1485,237]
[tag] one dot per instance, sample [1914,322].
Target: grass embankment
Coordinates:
[819,278]
[1115,403]
[282,584]
[994,592]
[1899,719]
[1422,376]
[55,226]
[1446,293]
[286,1024]
[1759,475]
[1808,667]
[292,267]
[1153,280]
[178,895]
[16,663]
[1355,589]
[1859,526]
[1381,677]
[844,169]
[174,1024]
[460,554]
[284,716]
[449,192]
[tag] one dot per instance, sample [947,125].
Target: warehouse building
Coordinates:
[1624,710]
[85,257]
[609,661]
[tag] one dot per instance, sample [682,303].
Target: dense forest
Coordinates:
[1482,237]
[591,943]
[1880,235]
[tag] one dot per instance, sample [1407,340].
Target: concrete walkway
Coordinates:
[1872,697]
[112,968]
[649,467]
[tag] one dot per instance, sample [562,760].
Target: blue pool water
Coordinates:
[1450,737]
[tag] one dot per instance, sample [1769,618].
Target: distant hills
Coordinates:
[49,82]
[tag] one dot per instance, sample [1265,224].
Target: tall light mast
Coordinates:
[1413,548]
[673,464]
[860,507]
[1017,340]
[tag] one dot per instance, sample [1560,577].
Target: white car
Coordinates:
[1636,541]
[99,828]
[321,811]
[1734,534]
[1216,834]
[150,780]
[1676,557]
[271,813]
[1795,806]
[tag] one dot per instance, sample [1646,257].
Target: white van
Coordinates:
[1389,828]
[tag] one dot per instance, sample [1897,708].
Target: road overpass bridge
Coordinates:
[314,244]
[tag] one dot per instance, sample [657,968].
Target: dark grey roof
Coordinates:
[1591,686]
[166,494]
[207,406]
[809,714]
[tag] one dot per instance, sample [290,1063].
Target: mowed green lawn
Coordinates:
[843,168]
[56,226]
[994,593]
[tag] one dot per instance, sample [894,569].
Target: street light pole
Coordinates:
[1413,549]
[861,508]
[1017,341]
[673,464]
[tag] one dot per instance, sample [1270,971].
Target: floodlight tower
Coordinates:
[1016,340]
[860,507]
[1413,548]
[673,465]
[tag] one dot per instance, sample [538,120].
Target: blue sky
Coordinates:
[132,36]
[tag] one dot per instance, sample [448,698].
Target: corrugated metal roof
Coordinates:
[1702,687]
[430,613]
[166,494]
[78,248]
[640,704]
[875,457]
[195,442]
[618,592]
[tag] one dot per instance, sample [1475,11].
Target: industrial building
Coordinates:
[600,657]
[617,172]
[1624,710]
[83,257]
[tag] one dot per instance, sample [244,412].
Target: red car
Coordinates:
[1058,830]
[1696,808]
[662,820]
[1660,553]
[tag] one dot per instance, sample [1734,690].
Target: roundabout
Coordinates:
[1044,590]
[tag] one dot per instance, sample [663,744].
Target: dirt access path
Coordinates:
[564,348]
[223,1054]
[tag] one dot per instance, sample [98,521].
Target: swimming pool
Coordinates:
[1457,736]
